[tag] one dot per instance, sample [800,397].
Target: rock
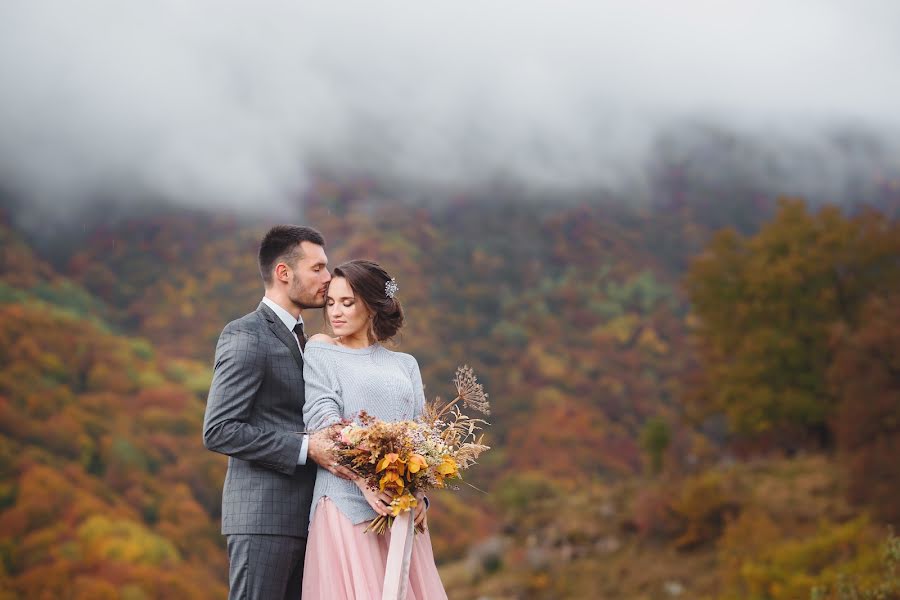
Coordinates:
[673,588]
[608,544]
[538,558]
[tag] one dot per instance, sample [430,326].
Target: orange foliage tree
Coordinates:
[865,375]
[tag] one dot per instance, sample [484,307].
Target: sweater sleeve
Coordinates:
[324,405]
[415,377]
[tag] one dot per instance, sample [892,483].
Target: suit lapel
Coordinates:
[281,332]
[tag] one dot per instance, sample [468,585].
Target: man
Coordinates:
[254,415]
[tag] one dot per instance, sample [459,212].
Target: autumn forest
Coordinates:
[696,396]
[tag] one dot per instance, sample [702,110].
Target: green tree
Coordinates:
[655,439]
[767,305]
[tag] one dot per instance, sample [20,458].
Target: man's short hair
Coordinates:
[282,244]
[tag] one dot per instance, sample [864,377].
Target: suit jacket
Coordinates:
[254,414]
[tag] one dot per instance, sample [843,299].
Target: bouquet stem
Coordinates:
[382,523]
[448,407]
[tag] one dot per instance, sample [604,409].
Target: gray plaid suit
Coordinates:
[253,414]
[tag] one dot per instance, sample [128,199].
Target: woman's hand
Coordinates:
[421,507]
[379,501]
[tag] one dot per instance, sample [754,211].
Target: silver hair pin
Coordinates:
[391,287]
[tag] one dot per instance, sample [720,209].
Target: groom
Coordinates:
[254,415]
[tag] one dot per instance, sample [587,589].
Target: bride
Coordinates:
[344,375]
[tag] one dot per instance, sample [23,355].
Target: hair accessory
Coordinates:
[391,287]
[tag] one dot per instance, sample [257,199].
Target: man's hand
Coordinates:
[321,450]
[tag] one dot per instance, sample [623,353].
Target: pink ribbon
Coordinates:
[396,574]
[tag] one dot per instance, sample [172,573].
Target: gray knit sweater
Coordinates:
[340,382]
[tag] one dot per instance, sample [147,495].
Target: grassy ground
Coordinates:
[762,529]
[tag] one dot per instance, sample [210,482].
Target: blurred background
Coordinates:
[665,236]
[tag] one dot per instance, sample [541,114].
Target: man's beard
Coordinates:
[307,301]
[307,305]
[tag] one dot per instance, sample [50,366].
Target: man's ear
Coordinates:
[281,272]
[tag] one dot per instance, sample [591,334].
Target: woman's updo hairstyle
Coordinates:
[368,280]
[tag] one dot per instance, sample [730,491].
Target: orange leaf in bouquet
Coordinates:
[391,479]
[417,462]
[387,461]
[403,503]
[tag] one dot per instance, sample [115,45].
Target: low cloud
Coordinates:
[234,105]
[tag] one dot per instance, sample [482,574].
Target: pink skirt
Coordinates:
[343,563]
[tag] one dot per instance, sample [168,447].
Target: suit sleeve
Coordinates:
[323,406]
[237,376]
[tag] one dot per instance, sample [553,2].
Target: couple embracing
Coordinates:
[293,519]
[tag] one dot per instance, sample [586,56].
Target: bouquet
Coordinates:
[406,458]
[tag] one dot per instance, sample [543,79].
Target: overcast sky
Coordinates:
[216,101]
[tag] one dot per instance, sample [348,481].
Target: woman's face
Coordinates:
[347,315]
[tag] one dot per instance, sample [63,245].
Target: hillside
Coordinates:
[762,529]
[594,329]
[107,491]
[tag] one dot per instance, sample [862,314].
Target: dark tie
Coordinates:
[298,330]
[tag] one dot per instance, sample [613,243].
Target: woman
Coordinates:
[345,375]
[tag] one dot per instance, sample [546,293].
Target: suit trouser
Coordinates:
[265,567]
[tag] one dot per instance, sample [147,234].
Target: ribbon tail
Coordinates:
[396,574]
